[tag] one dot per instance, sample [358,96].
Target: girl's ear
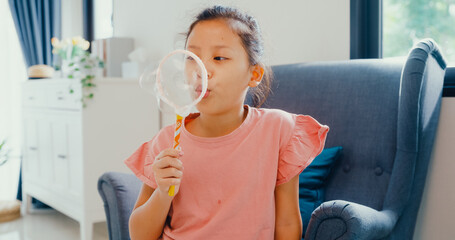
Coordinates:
[256,75]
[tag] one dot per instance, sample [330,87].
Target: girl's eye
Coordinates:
[190,58]
[219,58]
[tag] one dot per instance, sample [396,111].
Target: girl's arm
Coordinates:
[288,223]
[152,206]
[149,214]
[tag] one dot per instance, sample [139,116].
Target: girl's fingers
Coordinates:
[168,162]
[169,152]
[169,182]
[168,169]
[170,173]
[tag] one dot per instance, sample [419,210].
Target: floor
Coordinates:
[49,225]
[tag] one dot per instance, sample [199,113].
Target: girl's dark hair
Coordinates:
[251,39]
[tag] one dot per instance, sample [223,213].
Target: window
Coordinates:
[388,28]
[103,10]
[97,19]
[407,21]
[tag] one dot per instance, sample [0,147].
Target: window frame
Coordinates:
[88,21]
[366,29]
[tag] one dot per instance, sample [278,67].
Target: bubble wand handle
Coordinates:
[178,127]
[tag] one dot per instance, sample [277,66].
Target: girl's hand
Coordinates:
[168,170]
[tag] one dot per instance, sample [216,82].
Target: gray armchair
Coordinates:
[383,113]
[119,192]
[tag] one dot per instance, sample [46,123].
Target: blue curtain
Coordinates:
[37,21]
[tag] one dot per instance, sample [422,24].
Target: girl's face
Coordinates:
[226,61]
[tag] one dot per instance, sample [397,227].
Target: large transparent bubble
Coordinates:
[180,80]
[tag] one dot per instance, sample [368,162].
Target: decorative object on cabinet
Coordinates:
[67,147]
[113,51]
[136,64]
[77,62]
[40,71]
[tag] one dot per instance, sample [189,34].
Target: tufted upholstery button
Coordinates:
[346,168]
[378,171]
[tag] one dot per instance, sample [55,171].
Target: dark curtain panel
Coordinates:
[37,21]
[366,29]
[88,20]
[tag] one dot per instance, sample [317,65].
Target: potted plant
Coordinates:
[9,209]
[77,62]
[4,154]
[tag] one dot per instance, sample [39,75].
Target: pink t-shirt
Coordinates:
[228,184]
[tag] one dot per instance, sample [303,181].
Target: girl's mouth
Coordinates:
[199,91]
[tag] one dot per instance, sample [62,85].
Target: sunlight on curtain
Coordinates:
[13,73]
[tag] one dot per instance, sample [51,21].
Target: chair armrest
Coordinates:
[119,192]
[340,219]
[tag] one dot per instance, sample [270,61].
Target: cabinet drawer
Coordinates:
[60,96]
[54,94]
[33,96]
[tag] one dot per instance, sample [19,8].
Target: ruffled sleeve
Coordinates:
[306,142]
[140,163]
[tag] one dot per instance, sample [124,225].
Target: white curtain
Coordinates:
[12,74]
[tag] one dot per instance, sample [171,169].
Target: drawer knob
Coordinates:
[61,156]
[60,98]
[33,148]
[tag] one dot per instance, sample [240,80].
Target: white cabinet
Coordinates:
[66,147]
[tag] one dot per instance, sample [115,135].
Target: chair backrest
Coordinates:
[418,116]
[384,121]
[358,100]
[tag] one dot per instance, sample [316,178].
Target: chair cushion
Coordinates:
[311,182]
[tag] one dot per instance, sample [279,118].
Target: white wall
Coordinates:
[435,220]
[294,31]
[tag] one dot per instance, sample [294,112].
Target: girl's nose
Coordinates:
[209,69]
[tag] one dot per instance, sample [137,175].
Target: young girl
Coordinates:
[237,176]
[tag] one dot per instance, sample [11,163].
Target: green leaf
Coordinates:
[71,64]
[2,144]
[71,91]
[87,66]
[73,52]
[70,76]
